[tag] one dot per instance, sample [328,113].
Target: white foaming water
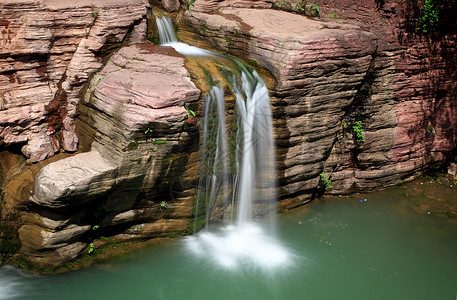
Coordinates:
[235,248]
[11,282]
[168,38]
[189,50]
[244,184]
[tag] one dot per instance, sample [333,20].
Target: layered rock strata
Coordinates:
[48,51]
[356,102]
[133,121]
[358,97]
[319,67]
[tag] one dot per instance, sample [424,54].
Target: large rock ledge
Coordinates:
[332,74]
[133,121]
[319,66]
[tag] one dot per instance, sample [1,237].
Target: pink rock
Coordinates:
[212,5]
[48,49]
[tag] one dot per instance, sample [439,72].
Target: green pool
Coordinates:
[371,246]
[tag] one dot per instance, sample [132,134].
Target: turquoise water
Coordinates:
[344,249]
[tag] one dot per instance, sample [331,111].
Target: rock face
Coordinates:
[360,103]
[49,48]
[133,120]
[212,5]
[358,95]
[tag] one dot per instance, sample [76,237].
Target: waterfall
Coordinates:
[237,183]
[214,182]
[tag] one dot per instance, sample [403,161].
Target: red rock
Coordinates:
[48,49]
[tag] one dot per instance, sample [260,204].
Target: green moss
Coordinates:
[254,63]
[9,246]
[138,161]
[429,16]
[159,142]
[229,42]
[334,15]
[154,39]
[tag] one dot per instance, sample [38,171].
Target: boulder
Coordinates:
[74,181]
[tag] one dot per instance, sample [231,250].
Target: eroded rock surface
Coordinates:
[335,77]
[133,120]
[48,50]
[319,68]
[359,63]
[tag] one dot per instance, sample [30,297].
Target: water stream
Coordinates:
[237,184]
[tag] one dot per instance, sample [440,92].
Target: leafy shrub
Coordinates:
[429,16]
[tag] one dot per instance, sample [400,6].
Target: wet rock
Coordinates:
[334,72]
[159,228]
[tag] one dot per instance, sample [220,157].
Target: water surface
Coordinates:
[346,248]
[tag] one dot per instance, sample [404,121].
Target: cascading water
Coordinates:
[235,186]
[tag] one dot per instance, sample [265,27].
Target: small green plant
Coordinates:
[314,6]
[429,130]
[326,179]
[95,227]
[100,80]
[344,124]
[148,130]
[189,111]
[191,4]
[359,135]
[163,205]
[428,17]
[94,11]
[253,62]
[91,248]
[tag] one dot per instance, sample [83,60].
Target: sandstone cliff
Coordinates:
[358,66]
[48,51]
[358,95]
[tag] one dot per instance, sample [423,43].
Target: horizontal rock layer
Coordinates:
[48,51]
[133,121]
[333,74]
